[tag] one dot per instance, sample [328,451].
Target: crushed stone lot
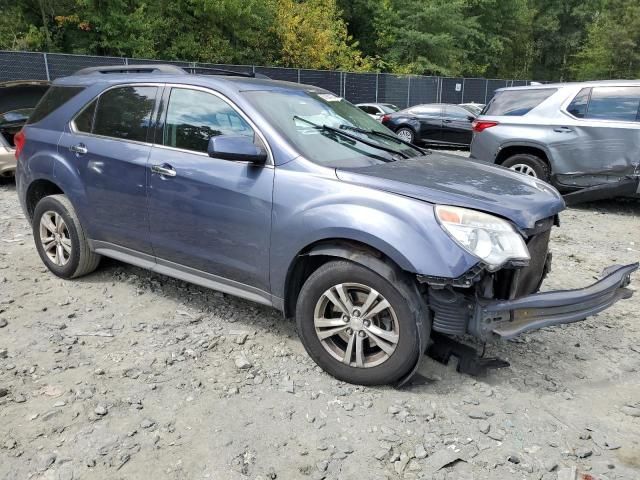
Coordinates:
[125,374]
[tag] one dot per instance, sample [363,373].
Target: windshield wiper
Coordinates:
[352,137]
[387,135]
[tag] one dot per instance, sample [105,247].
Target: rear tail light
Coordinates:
[385,118]
[19,140]
[481,125]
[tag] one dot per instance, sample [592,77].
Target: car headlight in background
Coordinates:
[489,238]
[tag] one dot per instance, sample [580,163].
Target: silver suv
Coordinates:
[574,135]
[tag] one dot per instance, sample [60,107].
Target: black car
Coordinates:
[433,124]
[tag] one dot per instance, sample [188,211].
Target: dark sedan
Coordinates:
[432,124]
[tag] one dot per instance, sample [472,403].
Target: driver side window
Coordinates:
[194,116]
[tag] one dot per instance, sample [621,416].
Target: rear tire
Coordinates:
[60,240]
[528,164]
[406,134]
[365,362]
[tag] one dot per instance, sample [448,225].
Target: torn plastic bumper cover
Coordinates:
[509,318]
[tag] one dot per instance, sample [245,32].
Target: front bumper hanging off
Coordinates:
[509,318]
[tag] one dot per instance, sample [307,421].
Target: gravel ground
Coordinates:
[127,374]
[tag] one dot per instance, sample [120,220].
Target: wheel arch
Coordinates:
[313,256]
[507,151]
[37,190]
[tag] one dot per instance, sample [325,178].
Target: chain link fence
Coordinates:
[401,90]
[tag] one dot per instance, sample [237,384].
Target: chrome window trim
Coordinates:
[270,159]
[72,123]
[565,104]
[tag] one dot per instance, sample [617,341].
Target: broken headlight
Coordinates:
[489,238]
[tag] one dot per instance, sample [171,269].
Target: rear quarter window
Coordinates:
[55,97]
[517,102]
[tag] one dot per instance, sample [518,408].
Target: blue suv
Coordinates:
[289,196]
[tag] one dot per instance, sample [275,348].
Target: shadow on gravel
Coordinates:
[619,206]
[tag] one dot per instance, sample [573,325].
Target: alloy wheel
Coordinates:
[356,325]
[524,169]
[54,237]
[405,135]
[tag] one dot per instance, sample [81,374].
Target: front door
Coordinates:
[107,145]
[208,214]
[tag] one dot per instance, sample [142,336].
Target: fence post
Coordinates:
[462,90]
[298,75]
[377,79]
[126,60]
[486,90]
[409,92]
[46,66]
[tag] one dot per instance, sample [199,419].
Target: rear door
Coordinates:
[430,118]
[604,135]
[108,143]
[456,125]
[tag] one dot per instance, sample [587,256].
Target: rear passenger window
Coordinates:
[52,100]
[193,117]
[578,106]
[84,121]
[457,113]
[517,102]
[615,103]
[426,110]
[125,112]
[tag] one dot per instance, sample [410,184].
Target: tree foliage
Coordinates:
[540,39]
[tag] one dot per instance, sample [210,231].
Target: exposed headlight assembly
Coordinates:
[489,238]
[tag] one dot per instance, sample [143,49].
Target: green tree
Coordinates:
[502,44]
[313,35]
[560,28]
[424,37]
[612,48]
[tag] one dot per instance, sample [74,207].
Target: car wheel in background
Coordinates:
[356,325]
[60,240]
[528,164]
[406,134]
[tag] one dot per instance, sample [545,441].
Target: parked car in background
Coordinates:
[574,135]
[474,108]
[432,124]
[17,100]
[377,110]
[289,196]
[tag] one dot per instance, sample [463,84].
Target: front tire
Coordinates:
[356,325]
[528,164]
[60,240]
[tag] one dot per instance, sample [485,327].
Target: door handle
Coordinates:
[447,121]
[562,129]
[80,149]
[165,170]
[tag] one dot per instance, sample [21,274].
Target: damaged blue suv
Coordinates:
[289,196]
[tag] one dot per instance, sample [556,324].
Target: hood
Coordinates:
[451,180]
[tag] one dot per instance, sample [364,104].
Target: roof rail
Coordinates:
[151,68]
[165,68]
[221,71]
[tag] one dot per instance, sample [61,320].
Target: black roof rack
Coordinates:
[165,68]
[151,68]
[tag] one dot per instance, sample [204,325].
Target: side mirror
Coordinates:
[236,147]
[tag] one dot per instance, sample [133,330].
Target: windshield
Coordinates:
[299,114]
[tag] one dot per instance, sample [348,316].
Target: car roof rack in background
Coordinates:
[165,68]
